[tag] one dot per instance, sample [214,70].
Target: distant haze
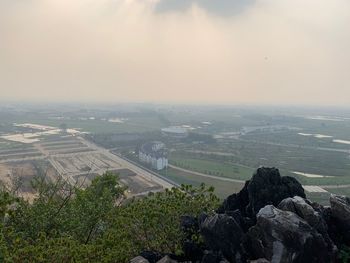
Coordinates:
[229,51]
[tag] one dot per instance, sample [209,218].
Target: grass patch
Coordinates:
[222,188]
[321,198]
[340,191]
[209,167]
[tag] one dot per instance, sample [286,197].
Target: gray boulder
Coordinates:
[282,236]
[305,209]
[222,233]
[139,259]
[340,207]
[260,260]
[167,259]
[302,207]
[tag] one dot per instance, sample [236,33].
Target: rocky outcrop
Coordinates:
[269,220]
[151,256]
[223,234]
[282,236]
[267,187]
[237,201]
[340,213]
[167,259]
[313,214]
[139,259]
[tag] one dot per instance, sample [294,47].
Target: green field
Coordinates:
[287,159]
[222,188]
[321,198]
[307,161]
[215,168]
[340,191]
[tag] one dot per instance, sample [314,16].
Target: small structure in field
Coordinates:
[175,131]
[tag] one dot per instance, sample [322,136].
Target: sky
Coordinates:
[188,51]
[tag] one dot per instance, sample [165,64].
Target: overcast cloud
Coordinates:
[219,7]
[262,51]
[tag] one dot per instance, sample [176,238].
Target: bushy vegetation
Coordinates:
[69,224]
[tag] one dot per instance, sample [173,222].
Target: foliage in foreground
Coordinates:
[69,224]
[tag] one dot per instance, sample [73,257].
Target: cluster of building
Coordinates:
[154,154]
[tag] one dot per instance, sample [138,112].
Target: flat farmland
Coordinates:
[23,152]
[63,145]
[222,188]
[229,170]
[18,176]
[83,163]
[71,157]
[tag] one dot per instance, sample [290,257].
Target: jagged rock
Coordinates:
[222,233]
[304,209]
[340,207]
[167,259]
[202,218]
[139,259]
[151,256]
[192,251]
[297,231]
[211,257]
[282,236]
[244,222]
[236,201]
[260,260]
[266,187]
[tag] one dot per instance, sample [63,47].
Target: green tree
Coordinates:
[71,224]
[153,223]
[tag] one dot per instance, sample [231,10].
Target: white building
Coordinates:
[154,154]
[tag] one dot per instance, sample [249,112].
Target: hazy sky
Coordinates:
[216,51]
